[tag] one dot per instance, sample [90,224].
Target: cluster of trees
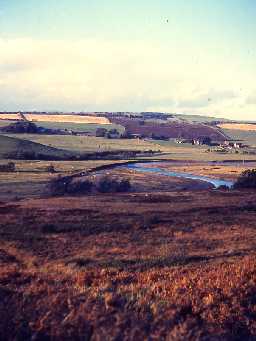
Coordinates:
[246,180]
[9,167]
[106,184]
[110,134]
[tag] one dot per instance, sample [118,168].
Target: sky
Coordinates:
[184,56]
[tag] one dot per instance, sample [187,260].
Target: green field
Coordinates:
[247,137]
[88,143]
[79,127]
[76,127]
[13,146]
[169,149]
[4,123]
[199,118]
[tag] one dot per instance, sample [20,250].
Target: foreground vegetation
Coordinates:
[177,266]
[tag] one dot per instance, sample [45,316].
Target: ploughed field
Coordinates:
[135,266]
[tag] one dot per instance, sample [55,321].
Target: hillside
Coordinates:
[11,147]
[169,130]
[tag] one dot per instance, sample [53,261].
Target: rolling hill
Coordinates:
[14,148]
[169,130]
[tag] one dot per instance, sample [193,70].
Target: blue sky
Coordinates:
[177,56]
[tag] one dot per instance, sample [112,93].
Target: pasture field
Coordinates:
[79,127]
[12,145]
[246,136]
[168,149]
[135,266]
[199,118]
[238,126]
[87,143]
[4,123]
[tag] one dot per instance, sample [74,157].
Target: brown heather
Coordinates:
[172,266]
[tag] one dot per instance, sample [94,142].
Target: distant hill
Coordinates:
[146,124]
[167,130]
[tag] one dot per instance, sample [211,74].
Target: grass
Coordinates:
[88,143]
[76,127]
[12,145]
[79,127]
[248,137]
[4,123]
[170,149]
[31,178]
[238,126]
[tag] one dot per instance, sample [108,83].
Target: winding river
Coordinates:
[151,167]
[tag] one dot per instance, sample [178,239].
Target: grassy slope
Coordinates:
[9,145]
[4,123]
[248,137]
[88,143]
[199,118]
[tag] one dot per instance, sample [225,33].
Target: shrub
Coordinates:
[246,180]
[109,185]
[124,185]
[49,228]
[80,187]
[59,185]
[64,185]
[223,187]
[50,169]
[101,132]
[9,167]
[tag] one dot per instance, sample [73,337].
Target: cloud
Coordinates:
[251,99]
[207,99]
[97,75]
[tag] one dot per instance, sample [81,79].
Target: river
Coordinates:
[151,167]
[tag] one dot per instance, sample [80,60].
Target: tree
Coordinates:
[246,180]
[101,132]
